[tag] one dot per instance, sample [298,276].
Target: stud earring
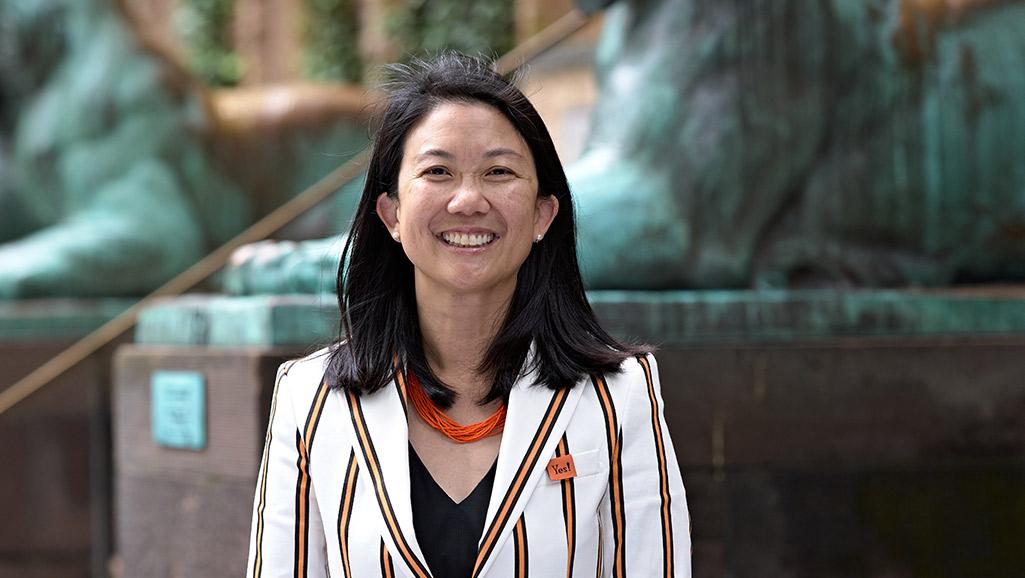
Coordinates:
[538,238]
[395,234]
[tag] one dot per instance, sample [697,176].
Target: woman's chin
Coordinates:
[466,283]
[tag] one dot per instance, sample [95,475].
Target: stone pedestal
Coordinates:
[183,512]
[821,434]
[852,457]
[55,498]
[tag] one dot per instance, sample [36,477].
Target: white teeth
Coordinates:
[465,240]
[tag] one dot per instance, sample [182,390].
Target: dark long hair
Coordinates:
[375,281]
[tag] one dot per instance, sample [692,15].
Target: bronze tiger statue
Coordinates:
[785,143]
[118,170]
[794,143]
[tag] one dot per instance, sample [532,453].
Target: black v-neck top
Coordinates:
[447,532]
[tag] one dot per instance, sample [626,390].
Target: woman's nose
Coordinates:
[468,199]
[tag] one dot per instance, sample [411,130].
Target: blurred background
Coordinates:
[815,209]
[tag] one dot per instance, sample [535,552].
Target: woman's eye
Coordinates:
[500,172]
[435,172]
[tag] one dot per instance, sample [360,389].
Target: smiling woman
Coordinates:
[467,208]
[462,300]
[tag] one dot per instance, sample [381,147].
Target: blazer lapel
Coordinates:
[535,420]
[382,450]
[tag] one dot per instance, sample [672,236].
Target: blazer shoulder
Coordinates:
[630,382]
[634,373]
[301,378]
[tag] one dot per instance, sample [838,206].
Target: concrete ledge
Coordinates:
[667,317]
[222,321]
[691,317]
[49,319]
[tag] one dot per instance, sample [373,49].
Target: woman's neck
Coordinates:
[457,330]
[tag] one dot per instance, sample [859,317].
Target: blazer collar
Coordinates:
[535,420]
[381,437]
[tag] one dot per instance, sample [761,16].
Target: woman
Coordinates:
[463,304]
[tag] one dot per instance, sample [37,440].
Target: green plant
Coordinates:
[205,28]
[471,26]
[332,40]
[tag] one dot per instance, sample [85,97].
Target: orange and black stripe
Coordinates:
[663,472]
[258,559]
[373,463]
[302,509]
[544,431]
[520,556]
[387,569]
[345,511]
[613,436]
[302,486]
[569,510]
[400,382]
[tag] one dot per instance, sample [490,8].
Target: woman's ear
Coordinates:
[547,208]
[388,212]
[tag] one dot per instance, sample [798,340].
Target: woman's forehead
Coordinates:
[455,129]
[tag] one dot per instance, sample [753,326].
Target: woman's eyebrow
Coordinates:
[501,152]
[491,153]
[435,153]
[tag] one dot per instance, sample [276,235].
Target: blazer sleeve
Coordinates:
[649,535]
[287,535]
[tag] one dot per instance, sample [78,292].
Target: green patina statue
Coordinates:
[117,171]
[772,143]
[99,165]
[788,143]
[760,143]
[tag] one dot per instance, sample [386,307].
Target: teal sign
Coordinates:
[178,409]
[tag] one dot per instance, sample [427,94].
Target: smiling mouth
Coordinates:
[465,240]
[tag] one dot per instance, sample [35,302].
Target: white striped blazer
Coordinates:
[333,495]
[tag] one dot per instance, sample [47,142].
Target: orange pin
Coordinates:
[561,468]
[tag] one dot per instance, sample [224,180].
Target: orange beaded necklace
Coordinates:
[434,417]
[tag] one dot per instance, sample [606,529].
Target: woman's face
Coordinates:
[468,209]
